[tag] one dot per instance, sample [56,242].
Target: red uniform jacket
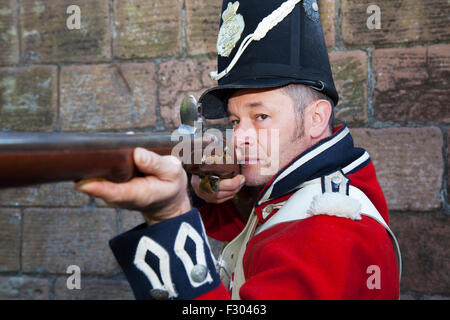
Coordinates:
[320,257]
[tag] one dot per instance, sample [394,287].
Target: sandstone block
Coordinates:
[24,288]
[48,195]
[350,76]
[147,29]
[412,84]
[409,165]
[46,37]
[178,78]
[28,98]
[102,97]
[9,38]
[94,289]
[423,240]
[401,21]
[54,239]
[10,238]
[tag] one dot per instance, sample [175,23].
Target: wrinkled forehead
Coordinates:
[271,99]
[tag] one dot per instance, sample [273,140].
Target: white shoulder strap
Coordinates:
[298,208]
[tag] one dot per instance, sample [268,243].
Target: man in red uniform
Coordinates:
[317,224]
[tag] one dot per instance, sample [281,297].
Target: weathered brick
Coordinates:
[412,84]
[436,297]
[94,289]
[24,288]
[350,76]
[439,80]
[327,10]
[147,28]
[409,165]
[412,295]
[46,38]
[448,162]
[49,195]
[54,239]
[424,240]
[10,221]
[178,78]
[407,296]
[98,97]
[9,39]
[28,98]
[401,21]
[203,18]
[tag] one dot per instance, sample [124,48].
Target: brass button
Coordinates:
[199,273]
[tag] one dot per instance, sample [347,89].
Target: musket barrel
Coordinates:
[58,141]
[34,158]
[29,158]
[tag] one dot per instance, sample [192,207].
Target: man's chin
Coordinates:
[253,176]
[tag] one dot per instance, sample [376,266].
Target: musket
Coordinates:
[30,158]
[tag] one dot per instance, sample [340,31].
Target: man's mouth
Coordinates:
[248,161]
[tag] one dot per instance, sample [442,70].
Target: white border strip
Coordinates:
[356,163]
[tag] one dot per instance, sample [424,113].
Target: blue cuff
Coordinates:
[171,259]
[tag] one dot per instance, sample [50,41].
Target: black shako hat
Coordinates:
[268,44]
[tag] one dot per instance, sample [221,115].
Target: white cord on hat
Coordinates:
[260,32]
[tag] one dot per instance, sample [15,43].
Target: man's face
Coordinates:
[265,131]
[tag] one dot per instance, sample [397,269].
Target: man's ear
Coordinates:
[320,114]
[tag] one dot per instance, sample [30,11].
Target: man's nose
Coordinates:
[245,136]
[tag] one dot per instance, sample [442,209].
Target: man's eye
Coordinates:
[261,116]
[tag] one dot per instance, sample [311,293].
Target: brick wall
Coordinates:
[129,66]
